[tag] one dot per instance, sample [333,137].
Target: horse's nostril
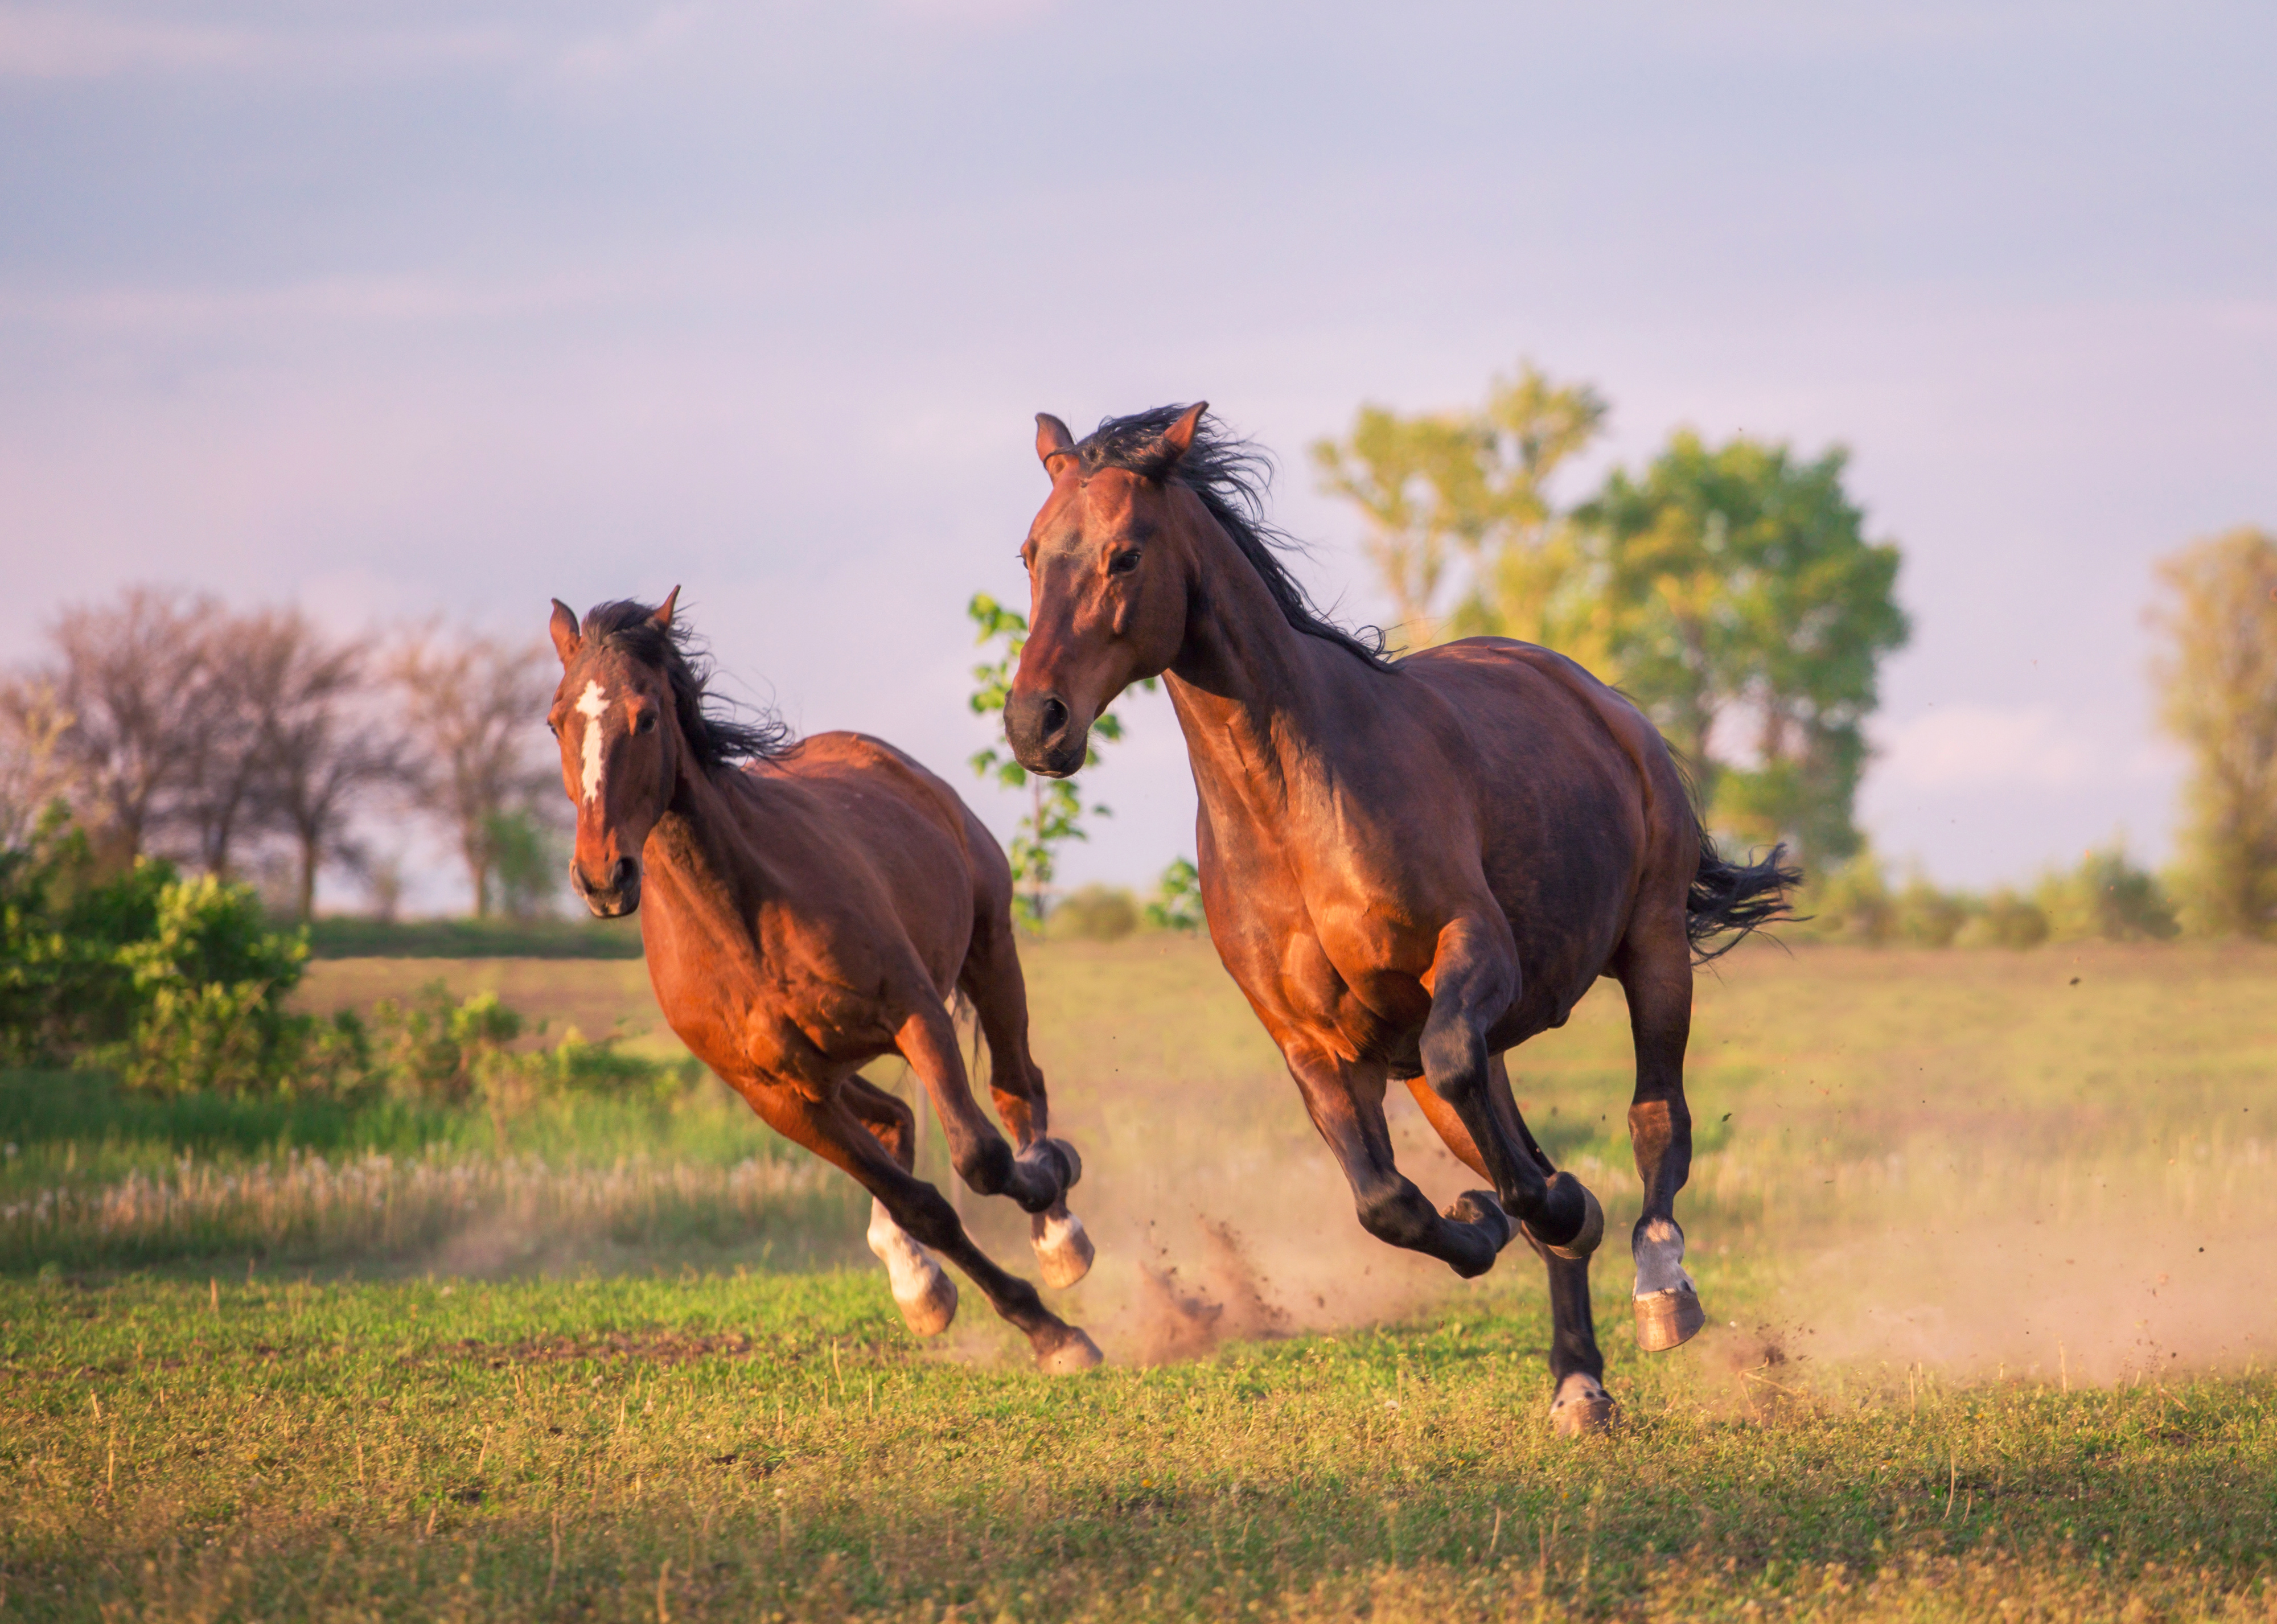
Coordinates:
[621,875]
[1055,715]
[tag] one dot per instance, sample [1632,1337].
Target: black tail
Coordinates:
[1739,897]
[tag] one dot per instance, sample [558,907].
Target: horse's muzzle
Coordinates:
[1044,735]
[619,897]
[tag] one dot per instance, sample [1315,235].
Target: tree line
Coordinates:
[1732,591]
[247,743]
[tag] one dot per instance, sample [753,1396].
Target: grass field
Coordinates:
[1968,1358]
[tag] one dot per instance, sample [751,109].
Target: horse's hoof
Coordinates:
[1668,1319]
[1481,1208]
[1074,1163]
[931,1308]
[1593,1223]
[1063,1248]
[1582,1407]
[1073,1354]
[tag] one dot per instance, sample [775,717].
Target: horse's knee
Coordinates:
[1392,1210]
[985,1164]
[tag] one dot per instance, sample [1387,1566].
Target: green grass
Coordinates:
[1968,1358]
[769,1447]
[346,937]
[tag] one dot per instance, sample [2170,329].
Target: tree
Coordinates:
[2217,686]
[130,685]
[476,706]
[1736,582]
[1055,808]
[318,755]
[1470,487]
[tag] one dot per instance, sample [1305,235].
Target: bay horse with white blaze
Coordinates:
[1409,866]
[809,907]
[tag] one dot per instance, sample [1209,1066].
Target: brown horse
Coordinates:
[1408,868]
[810,907]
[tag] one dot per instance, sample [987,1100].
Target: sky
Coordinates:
[394,310]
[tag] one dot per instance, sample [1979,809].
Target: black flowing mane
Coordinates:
[1231,476]
[711,723]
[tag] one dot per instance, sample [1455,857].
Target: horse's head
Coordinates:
[1108,579]
[615,715]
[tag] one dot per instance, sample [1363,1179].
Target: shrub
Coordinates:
[1096,913]
[1852,904]
[2105,896]
[2004,921]
[1924,916]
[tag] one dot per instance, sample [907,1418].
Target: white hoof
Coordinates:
[1063,1248]
[1581,1407]
[1074,1354]
[922,1288]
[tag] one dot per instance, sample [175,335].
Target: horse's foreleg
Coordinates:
[991,979]
[913,1210]
[1579,1403]
[1348,1110]
[1037,1177]
[1475,979]
[923,1291]
[1658,982]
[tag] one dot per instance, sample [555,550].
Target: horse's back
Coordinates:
[894,815]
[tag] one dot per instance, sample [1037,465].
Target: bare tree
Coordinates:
[476,716]
[132,678]
[317,755]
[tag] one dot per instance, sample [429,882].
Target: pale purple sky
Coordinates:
[390,309]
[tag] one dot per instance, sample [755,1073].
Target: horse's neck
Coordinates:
[708,876]
[1251,692]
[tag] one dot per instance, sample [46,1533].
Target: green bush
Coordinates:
[2005,919]
[1177,904]
[208,982]
[1096,913]
[2107,897]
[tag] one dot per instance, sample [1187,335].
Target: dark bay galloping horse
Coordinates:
[1408,868]
[811,907]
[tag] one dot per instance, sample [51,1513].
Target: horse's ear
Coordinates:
[663,616]
[1179,438]
[566,640]
[1052,439]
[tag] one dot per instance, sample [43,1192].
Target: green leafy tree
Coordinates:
[1177,904]
[1055,805]
[2218,687]
[1469,488]
[1736,583]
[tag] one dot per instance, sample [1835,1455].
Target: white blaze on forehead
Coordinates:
[591,705]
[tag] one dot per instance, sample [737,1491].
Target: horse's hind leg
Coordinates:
[991,979]
[922,1288]
[1578,1402]
[1657,974]
[832,1130]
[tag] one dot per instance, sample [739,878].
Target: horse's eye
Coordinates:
[1122,563]
[647,722]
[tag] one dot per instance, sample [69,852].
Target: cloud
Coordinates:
[1969,745]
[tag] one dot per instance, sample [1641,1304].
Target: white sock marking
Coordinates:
[591,705]
[1660,1259]
[908,1266]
